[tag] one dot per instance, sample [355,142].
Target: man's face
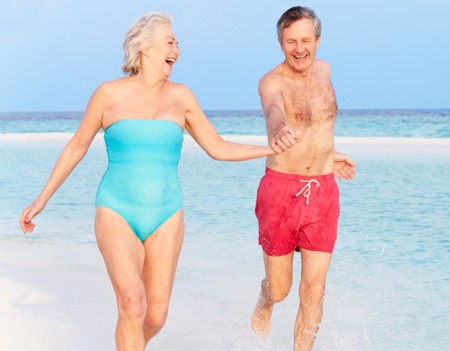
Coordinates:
[299,45]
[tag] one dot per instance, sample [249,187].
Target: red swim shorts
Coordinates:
[297,212]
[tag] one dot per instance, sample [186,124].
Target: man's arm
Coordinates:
[280,137]
[344,166]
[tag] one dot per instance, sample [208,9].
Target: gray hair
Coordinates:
[297,13]
[139,36]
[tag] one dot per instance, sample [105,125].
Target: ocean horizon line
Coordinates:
[215,110]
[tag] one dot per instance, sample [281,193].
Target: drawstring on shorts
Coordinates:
[306,190]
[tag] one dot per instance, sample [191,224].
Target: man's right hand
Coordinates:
[284,139]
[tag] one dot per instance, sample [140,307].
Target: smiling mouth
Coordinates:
[171,61]
[300,57]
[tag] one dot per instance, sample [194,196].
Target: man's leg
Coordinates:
[274,288]
[312,289]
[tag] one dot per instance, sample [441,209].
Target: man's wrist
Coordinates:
[279,130]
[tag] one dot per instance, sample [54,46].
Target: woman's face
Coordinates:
[164,49]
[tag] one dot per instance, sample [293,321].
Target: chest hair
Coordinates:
[315,104]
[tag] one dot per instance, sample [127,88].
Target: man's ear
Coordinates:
[280,41]
[317,42]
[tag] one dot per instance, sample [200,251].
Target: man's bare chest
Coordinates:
[310,106]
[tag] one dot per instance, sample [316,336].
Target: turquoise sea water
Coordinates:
[389,283]
[352,123]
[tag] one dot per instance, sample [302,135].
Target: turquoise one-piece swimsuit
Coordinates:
[141,182]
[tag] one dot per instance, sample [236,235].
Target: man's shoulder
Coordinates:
[270,83]
[321,63]
[322,67]
[272,77]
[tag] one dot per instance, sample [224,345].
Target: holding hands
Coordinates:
[284,139]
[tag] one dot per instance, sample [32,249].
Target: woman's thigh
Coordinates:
[122,251]
[162,250]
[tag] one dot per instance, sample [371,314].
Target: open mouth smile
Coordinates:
[300,57]
[171,61]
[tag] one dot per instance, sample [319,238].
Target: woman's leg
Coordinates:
[162,250]
[124,257]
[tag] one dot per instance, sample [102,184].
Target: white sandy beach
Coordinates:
[54,296]
[371,145]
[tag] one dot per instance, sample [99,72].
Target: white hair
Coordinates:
[139,36]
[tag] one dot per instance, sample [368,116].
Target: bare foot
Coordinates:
[261,317]
[263,312]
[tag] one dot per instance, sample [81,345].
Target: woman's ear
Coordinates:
[146,51]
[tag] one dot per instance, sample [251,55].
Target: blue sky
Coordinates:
[384,54]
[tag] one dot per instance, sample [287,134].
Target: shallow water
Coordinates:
[389,281]
[388,285]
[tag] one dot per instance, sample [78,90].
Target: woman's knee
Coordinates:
[155,317]
[132,303]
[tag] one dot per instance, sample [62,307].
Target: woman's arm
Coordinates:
[204,133]
[72,154]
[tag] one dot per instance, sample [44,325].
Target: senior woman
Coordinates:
[139,223]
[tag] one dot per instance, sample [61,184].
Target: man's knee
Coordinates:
[278,292]
[312,292]
[278,296]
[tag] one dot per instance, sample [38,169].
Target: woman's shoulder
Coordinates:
[115,84]
[113,88]
[180,90]
[178,87]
